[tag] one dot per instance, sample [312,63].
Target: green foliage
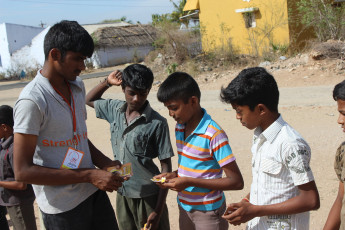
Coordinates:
[122,19]
[110,21]
[178,12]
[95,40]
[160,42]
[281,49]
[173,17]
[171,68]
[160,18]
[327,19]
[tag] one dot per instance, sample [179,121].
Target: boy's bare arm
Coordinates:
[14,185]
[26,171]
[114,78]
[308,199]
[333,220]
[99,159]
[153,219]
[232,181]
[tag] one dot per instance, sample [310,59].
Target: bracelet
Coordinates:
[106,80]
[245,199]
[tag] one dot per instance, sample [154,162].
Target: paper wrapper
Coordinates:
[124,171]
[145,228]
[162,180]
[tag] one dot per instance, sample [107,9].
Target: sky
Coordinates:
[48,12]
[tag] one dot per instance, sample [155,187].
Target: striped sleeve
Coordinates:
[220,148]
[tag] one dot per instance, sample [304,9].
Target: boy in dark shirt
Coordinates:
[18,197]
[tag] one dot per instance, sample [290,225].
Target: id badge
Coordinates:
[72,159]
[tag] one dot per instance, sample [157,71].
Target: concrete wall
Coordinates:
[14,37]
[118,55]
[4,52]
[20,35]
[31,56]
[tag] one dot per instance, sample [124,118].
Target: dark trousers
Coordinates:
[95,212]
[3,220]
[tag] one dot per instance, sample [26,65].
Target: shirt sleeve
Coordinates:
[27,117]
[220,148]
[164,147]
[296,157]
[339,163]
[104,109]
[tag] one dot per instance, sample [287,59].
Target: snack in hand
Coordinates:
[124,171]
[229,210]
[145,228]
[161,180]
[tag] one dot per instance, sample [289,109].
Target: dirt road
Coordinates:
[309,109]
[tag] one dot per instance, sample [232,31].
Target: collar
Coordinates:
[6,144]
[272,131]
[203,124]
[146,112]
[76,84]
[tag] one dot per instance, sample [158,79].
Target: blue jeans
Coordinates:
[96,212]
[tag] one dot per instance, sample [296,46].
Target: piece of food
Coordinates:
[124,171]
[161,180]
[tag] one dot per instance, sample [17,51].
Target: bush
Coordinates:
[181,44]
[327,19]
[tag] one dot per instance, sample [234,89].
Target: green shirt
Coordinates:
[139,142]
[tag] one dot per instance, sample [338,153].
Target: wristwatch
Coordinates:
[106,80]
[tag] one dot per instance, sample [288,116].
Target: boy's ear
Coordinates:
[55,54]
[194,100]
[262,109]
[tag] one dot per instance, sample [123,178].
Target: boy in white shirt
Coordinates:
[283,188]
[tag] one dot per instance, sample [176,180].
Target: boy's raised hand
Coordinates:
[115,78]
[240,213]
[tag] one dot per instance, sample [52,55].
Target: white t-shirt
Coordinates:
[280,163]
[41,111]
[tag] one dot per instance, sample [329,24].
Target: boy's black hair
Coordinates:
[178,86]
[68,36]
[6,115]
[137,76]
[251,87]
[339,91]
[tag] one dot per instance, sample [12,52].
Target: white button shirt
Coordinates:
[280,163]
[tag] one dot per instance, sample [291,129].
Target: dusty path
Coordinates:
[310,109]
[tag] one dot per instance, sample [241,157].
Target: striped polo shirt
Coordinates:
[202,155]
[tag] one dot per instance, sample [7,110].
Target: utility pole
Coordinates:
[42,24]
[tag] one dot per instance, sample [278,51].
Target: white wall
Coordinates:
[119,55]
[12,38]
[31,56]
[4,53]
[19,35]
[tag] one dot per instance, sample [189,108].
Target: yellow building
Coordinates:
[250,26]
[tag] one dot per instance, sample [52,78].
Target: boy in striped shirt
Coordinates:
[203,154]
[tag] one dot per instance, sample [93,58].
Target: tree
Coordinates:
[172,17]
[327,19]
[178,12]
